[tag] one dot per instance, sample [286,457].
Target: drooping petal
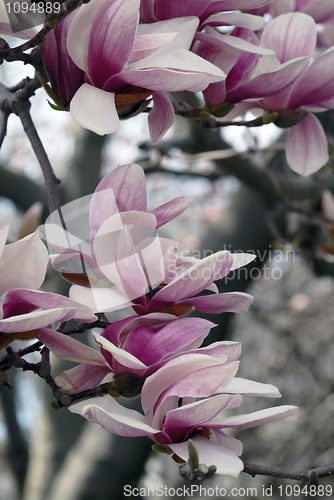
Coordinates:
[307,148]
[95,110]
[23,263]
[17,301]
[161,117]
[113,417]
[290,35]
[82,377]
[65,347]
[35,320]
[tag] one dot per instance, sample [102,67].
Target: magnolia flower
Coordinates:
[312,90]
[125,63]
[193,377]
[137,346]
[24,311]
[249,77]
[123,265]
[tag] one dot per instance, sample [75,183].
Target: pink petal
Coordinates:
[168,211]
[231,5]
[236,302]
[81,377]
[180,333]
[307,148]
[113,31]
[315,86]
[17,300]
[113,417]
[180,421]
[65,347]
[3,237]
[290,35]
[95,110]
[193,280]
[122,190]
[177,70]
[269,83]
[35,320]
[239,422]
[169,10]
[161,117]
[321,10]
[122,357]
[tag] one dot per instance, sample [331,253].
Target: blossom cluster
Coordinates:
[113,59]
[118,262]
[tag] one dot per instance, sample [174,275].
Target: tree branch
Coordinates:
[285,472]
[51,182]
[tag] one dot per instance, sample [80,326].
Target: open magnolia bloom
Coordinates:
[24,311]
[311,89]
[187,398]
[125,63]
[123,266]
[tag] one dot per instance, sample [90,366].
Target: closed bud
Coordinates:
[288,117]
[222,109]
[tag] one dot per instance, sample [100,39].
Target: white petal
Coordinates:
[95,110]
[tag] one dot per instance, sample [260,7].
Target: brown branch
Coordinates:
[285,472]
[51,182]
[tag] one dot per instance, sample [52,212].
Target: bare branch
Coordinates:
[285,472]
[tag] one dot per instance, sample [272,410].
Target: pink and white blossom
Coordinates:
[192,378]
